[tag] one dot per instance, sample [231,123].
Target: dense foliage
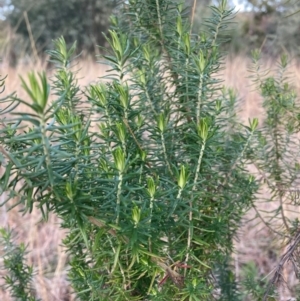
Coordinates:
[18,281]
[148,167]
[160,181]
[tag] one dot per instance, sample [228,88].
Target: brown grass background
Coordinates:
[255,242]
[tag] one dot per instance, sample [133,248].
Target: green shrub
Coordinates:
[148,171]
[277,147]
[275,156]
[18,280]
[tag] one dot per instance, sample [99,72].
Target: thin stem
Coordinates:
[124,148]
[199,164]
[152,282]
[150,101]
[150,221]
[178,47]
[235,164]
[132,134]
[110,126]
[165,153]
[151,208]
[199,98]
[176,201]
[141,173]
[119,197]
[159,21]
[282,208]
[116,259]
[278,171]
[266,223]
[217,29]
[123,275]
[191,228]
[240,157]
[46,150]
[187,81]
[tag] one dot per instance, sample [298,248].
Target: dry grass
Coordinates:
[44,239]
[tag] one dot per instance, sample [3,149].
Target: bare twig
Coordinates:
[287,256]
[267,224]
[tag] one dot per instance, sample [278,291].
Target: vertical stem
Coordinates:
[199,165]
[165,152]
[151,208]
[278,180]
[199,98]
[159,21]
[116,260]
[46,150]
[149,100]
[110,126]
[135,140]
[191,228]
[176,201]
[178,48]
[187,81]
[150,221]
[217,30]
[151,284]
[119,197]
[240,157]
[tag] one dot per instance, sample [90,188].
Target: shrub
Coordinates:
[18,281]
[147,171]
[276,158]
